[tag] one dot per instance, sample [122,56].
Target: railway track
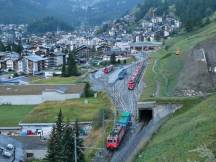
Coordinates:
[124,100]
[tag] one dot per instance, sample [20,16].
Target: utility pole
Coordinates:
[103,129]
[75,148]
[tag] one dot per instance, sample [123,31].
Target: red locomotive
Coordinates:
[135,77]
[108,69]
[116,136]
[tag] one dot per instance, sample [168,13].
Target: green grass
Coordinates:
[57,80]
[72,110]
[149,80]
[187,129]
[130,60]
[12,115]
[169,65]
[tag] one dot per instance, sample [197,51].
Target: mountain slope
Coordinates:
[192,13]
[169,68]
[72,11]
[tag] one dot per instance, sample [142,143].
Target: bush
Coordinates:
[87,90]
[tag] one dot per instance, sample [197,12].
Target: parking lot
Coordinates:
[17,153]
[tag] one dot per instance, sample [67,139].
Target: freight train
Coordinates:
[115,138]
[108,69]
[136,75]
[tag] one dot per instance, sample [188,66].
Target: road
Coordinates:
[19,152]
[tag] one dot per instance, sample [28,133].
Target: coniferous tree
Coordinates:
[64,72]
[8,47]
[18,48]
[87,90]
[68,144]
[113,59]
[79,142]
[2,47]
[72,67]
[51,152]
[59,133]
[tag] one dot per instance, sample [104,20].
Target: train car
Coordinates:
[122,74]
[108,69]
[131,84]
[116,136]
[135,77]
[125,119]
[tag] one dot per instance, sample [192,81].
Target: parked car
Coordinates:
[7,154]
[10,147]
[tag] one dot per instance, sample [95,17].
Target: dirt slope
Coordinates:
[196,75]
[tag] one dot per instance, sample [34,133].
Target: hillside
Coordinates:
[48,24]
[190,134]
[75,12]
[190,128]
[169,73]
[195,13]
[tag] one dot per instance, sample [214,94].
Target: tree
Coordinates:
[189,26]
[68,143]
[61,145]
[79,143]
[2,47]
[64,72]
[59,134]
[125,61]
[87,90]
[8,47]
[119,61]
[51,151]
[72,67]
[113,59]
[17,48]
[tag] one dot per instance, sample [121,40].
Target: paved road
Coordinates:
[19,153]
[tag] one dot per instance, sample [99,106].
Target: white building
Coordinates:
[124,46]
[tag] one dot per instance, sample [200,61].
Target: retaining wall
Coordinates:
[36,99]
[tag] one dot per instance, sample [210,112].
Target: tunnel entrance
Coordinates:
[145,115]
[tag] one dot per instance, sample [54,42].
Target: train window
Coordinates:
[110,141]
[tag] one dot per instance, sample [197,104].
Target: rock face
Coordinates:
[198,75]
